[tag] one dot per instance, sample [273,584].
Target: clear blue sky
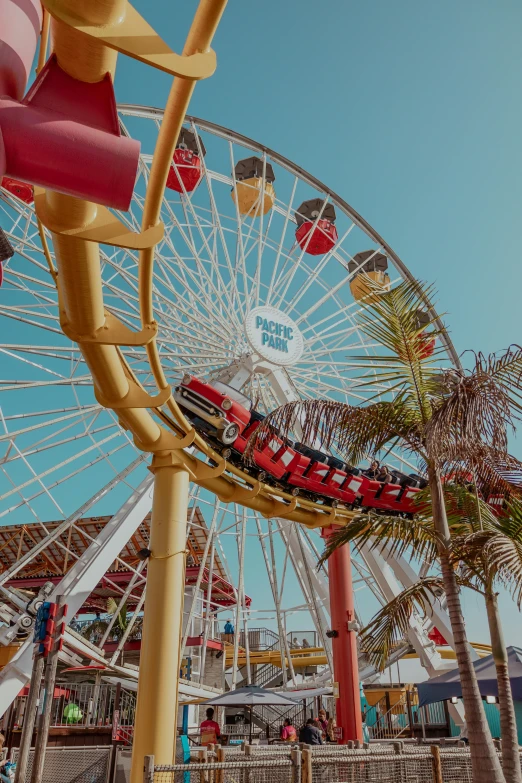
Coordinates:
[410,110]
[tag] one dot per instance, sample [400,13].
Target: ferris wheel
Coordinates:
[257,284]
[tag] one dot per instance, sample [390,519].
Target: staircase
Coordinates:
[390,724]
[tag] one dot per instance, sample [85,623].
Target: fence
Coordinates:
[259,770]
[396,763]
[73,765]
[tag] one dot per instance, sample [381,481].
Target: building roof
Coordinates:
[53,561]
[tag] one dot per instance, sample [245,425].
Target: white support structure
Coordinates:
[309,580]
[80,581]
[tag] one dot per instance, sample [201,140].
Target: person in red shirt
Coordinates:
[210,732]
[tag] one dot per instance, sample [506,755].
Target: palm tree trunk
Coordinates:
[508,722]
[484,760]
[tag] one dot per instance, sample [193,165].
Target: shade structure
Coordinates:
[447,685]
[251,696]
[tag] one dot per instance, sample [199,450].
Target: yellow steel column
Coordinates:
[156,711]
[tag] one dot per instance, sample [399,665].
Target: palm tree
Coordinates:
[486,551]
[447,419]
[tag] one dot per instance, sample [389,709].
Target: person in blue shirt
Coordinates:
[229,631]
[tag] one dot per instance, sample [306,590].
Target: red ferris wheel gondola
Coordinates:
[316,233]
[425,339]
[185,173]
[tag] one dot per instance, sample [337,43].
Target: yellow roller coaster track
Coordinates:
[316,656]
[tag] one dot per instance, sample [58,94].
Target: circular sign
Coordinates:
[274,336]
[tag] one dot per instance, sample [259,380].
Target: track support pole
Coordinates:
[157,706]
[344,645]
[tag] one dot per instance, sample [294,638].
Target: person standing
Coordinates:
[210,731]
[323,722]
[229,632]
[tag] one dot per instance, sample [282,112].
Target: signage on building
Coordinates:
[274,335]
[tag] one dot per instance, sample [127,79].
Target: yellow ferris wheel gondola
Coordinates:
[253,186]
[370,268]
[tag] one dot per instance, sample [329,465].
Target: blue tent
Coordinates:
[447,685]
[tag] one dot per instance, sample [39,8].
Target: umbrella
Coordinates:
[448,684]
[250,696]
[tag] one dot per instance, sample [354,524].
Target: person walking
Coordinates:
[210,731]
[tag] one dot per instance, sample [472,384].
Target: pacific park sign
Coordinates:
[274,335]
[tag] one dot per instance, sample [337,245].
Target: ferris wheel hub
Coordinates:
[274,336]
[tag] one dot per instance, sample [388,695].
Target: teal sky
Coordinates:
[411,111]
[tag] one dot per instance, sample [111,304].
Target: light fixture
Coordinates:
[491,699]
[454,699]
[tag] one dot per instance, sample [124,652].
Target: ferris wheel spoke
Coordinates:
[317,271]
[199,263]
[236,300]
[206,305]
[212,259]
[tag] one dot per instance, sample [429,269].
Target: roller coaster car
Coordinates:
[316,233]
[185,174]
[224,411]
[370,269]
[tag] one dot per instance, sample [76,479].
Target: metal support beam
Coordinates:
[157,705]
[346,668]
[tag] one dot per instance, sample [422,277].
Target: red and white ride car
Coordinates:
[224,410]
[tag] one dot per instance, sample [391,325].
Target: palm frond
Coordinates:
[354,432]
[392,319]
[504,555]
[112,609]
[505,370]
[392,623]
[466,511]
[472,422]
[414,538]
[94,630]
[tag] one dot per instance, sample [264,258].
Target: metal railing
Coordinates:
[303,639]
[391,723]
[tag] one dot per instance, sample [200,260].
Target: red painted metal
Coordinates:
[21,190]
[188,173]
[436,636]
[344,645]
[20,25]
[316,239]
[65,136]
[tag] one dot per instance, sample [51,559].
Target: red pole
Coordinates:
[344,645]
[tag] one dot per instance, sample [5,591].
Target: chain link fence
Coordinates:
[254,771]
[320,764]
[73,765]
